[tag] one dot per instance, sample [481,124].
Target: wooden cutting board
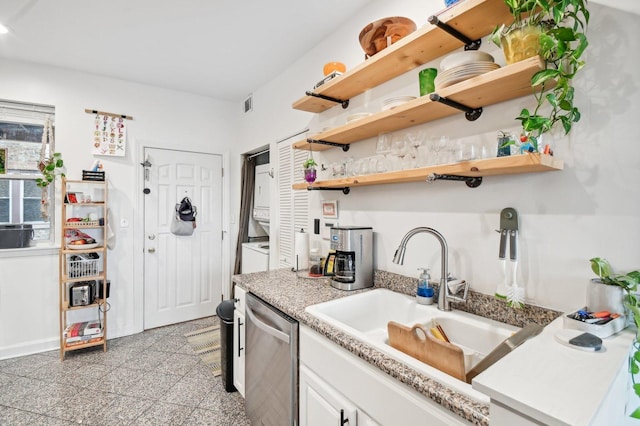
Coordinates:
[419,343]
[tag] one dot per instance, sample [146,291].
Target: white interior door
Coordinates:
[182,274]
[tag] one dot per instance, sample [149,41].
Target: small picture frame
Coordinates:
[3,161]
[330,209]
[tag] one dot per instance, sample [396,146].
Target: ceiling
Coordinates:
[220,48]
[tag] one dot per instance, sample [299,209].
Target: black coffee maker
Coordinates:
[353,267]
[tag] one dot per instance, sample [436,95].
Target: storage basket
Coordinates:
[93,176]
[78,267]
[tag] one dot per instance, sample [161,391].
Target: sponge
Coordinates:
[577,339]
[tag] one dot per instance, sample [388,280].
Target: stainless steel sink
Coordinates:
[365,316]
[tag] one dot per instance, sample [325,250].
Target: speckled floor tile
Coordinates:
[13,417]
[162,413]
[133,383]
[19,389]
[152,384]
[188,392]
[117,380]
[202,417]
[179,364]
[146,360]
[122,410]
[78,409]
[25,364]
[136,341]
[43,398]
[170,343]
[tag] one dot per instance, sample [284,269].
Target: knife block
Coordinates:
[444,356]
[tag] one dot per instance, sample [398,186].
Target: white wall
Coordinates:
[162,118]
[588,209]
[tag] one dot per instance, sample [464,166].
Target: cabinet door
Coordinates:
[238,350]
[261,191]
[321,405]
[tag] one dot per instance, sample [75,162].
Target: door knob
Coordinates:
[151,250]
[152,237]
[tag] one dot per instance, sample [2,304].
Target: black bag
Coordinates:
[187,211]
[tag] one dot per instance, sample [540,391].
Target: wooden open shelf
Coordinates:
[510,82]
[473,18]
[515,164]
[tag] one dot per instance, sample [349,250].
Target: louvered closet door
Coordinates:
[293,205]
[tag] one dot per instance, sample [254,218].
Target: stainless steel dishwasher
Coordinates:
[271,365]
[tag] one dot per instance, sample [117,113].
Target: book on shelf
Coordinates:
[79,329]
[81,340]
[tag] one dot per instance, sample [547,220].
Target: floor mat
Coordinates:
[206,344]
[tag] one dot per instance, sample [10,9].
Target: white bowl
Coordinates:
[462,58]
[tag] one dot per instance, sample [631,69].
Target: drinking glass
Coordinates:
[384,143]
[399,148]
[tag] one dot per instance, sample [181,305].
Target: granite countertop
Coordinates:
[292,292]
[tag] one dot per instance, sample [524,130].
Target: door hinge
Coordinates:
[222,235]
[222,172]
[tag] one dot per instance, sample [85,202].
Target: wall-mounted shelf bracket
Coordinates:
[471,114]
[344,104]
[344,190]
[468,43]
[471,182]
[345,147]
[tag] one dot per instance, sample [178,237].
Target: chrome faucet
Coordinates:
[444,295]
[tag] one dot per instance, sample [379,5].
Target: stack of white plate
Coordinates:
[464,72]
[461,58]
[394,102]
[358,116]
[462,66]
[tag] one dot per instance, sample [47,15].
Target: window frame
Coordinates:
[33,115]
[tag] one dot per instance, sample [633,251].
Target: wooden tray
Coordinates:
[419,343]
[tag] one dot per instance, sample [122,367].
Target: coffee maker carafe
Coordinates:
[353,267]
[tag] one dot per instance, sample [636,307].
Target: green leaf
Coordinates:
[636,413]
[544,75]
[634,369]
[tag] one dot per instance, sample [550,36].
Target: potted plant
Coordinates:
[50,168]
[309,167]
[629,284]
[555,30]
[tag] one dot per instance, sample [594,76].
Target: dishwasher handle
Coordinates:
[266,328]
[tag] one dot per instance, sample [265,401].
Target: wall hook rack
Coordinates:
[344,190]
[471,182]
[344,103]
[345,147]
[468,43]
[471,114]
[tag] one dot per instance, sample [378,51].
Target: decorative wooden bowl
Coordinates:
[384,32]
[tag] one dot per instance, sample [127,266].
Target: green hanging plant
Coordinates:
[50,168]
[562,41]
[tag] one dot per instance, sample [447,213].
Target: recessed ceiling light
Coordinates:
[3,29]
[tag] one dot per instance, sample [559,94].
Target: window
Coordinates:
[21,127]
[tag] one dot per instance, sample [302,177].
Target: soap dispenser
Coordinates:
[424,295]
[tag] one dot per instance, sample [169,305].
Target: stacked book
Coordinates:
[80,333]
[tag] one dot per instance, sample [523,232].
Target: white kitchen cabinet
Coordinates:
[239,339]
[320,404]
[334,379]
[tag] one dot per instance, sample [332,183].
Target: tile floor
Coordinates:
[151,378]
